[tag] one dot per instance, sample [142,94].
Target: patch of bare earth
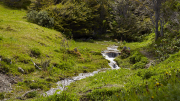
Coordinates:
[6,82]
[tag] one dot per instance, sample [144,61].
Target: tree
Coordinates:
[156,6]
[160,11]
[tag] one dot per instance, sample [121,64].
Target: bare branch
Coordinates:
[36,66]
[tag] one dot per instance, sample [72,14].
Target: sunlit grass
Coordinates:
[18,37]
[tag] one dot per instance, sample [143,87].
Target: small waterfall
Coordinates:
[110,55]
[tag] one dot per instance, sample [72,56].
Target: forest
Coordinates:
[65,50]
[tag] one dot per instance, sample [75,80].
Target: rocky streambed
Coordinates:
[108,54]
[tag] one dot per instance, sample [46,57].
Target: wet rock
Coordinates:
[20,70]
[112,54]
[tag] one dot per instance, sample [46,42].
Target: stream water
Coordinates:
[108,54]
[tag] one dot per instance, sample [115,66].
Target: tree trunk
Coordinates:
[156,18]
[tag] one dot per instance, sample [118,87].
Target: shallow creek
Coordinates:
[108,54]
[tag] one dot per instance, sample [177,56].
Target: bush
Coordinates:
[139,65]
[31,16]
[125,53]
[66,65]
[136,57]
[35,52]
[34,85]
[72,19]
[4,67]
[17,3]
[43,19]
[31,94]
[144,59]
[1,96]
[147,74]
[40,4]
[40,18]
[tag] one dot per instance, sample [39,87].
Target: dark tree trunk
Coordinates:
[156,18]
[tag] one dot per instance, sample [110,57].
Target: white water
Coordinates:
[108,54]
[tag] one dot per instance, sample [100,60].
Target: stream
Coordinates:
[108,54]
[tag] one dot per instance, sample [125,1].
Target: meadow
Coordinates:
[22,43]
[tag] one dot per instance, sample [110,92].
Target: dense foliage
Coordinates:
[17,3]
[141,77]
[93,18]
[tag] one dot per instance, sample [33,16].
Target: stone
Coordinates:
[124,47]
[20,70]
[75,49]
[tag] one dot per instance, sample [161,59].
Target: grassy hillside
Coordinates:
[22,41]
[158,82]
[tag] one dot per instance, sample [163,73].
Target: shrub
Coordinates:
[139,65]
[1,96]
[72,19]
[31,94]
[144,59]
[66,65]
[40,4]
[147,74]
[4,67]
[24,58]
[41,18]
[136,57]
[35,52]
[125,53]
[17,3]
[31,16]
[34,85]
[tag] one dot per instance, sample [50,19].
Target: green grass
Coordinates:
[159,82]
[22,41]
